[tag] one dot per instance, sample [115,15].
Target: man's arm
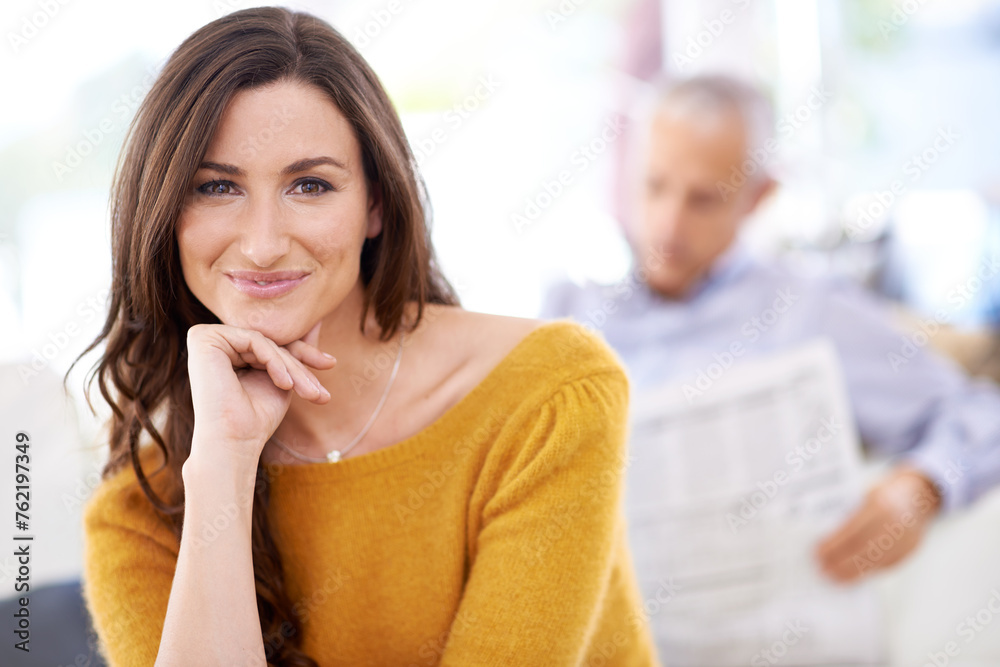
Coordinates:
[942,427]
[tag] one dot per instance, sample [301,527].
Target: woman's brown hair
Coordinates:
[143,370]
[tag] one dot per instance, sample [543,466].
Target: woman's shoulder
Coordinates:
[466,364]
[559,386]
[561,349]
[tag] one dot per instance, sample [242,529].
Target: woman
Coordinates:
[445,491]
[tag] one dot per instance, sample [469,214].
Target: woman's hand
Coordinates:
[241,384]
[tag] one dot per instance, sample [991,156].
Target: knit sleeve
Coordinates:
[129,560]
[549,532]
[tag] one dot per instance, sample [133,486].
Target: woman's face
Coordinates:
[270,234]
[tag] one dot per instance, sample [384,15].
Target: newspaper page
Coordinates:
[732,482]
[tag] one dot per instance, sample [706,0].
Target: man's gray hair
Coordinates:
[707,97]
[715,94]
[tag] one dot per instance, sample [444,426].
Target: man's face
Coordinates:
[689,212]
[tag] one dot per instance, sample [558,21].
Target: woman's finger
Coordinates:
[306,349]
[244,346]
[305,353]
[263,350]
[306,384]
[310,355]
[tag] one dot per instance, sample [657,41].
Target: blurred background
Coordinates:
[892,178]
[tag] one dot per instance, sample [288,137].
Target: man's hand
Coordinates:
[887,527]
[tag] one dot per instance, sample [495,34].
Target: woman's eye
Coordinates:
[216,188]
[311,186]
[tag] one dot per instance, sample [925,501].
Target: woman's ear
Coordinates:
[374,215]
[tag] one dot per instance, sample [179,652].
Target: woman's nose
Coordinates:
[265,238]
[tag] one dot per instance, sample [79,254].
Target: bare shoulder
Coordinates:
[485,333]
[473,343]
[452,351]
[449,353]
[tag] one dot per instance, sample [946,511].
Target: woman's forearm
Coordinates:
[212,613]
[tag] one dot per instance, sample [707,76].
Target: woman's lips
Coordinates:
[266,285]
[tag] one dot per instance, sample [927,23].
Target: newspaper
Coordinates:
[730,488]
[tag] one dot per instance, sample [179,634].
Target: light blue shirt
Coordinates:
[908,402]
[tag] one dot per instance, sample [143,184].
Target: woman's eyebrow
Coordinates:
[309,163]
[294,168]
[224,168]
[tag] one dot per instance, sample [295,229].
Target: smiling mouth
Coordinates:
[266,285]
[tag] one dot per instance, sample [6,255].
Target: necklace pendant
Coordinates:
[333,456]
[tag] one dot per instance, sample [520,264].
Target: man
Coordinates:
[699,291]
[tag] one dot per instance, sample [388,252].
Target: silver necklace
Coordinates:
[336,454]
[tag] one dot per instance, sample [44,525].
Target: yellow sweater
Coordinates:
[494,536]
